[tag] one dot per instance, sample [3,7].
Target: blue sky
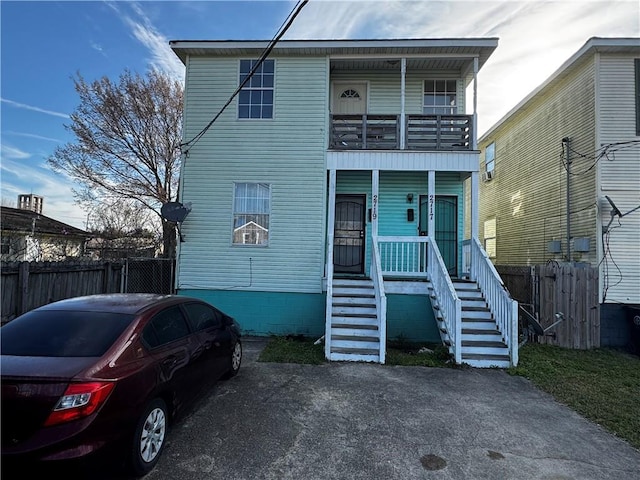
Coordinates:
[44,44]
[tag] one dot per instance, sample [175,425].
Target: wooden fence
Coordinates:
[28,285]
[558,290]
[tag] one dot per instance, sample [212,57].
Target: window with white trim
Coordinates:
[251,211]
[255,99]
[440,97]
[490,237]
[490,157]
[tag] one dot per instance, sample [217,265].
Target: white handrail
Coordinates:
[381,298]
[403,256]
[329,301]
[449,303]
[503,307]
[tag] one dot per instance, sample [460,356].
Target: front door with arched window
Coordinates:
[349,98]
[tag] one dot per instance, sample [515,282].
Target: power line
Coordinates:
[283,28]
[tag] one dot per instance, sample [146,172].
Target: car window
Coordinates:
[59,333]
[202,316]
[165,327]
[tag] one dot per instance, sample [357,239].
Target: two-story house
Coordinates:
[561,176]
[327,188]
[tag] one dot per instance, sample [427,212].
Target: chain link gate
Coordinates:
[148,275]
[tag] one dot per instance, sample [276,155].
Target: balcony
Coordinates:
[383,132]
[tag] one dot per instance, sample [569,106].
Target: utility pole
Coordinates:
[566,141]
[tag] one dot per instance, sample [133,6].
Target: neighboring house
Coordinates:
[561,173]
[28,236]
[347,158]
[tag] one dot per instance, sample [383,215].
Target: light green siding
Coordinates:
[286,152]
[384,90]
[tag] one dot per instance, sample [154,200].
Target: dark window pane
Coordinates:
[267,81]
[267,111]
[268,66]
[256,81]
[169,325]
[245,66]
[267,97]
[243,98]
[243,111]
[202,316]
[255,111]
[62,334]
[256,97]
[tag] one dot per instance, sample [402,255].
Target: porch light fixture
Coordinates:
[409,197]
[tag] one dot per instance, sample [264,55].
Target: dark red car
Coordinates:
[108,373]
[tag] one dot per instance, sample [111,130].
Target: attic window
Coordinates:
[350,93]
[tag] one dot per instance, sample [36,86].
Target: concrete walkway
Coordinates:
[364,421]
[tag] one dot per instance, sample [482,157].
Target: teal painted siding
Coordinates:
[410,317]
[286,152]
[392,206]
[268,313]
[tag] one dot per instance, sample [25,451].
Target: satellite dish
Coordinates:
[175,211]
[615,210]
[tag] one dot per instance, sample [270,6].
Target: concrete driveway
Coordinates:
[363,421]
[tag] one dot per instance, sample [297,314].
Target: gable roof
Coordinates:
[592,46]
[22,221]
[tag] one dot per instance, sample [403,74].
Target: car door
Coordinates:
[215,339]
[174,349]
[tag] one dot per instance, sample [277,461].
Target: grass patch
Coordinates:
[602,385]
[418,355]
[293,349]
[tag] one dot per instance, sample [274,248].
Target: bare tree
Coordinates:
[127,143]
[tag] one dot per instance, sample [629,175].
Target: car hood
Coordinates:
[44,367]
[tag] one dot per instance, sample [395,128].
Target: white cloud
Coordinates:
[35,109]
[162,57]
[32,135]
[11,153]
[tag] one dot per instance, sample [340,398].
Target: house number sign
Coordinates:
[374,210]
[432,199]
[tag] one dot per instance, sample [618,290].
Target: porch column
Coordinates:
[431,191]
[375,181]
[475,103]
[475,204]
[331,221]
[403,69]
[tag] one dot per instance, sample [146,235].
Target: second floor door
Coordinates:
[349,98]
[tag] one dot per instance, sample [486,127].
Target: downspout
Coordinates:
[566,141]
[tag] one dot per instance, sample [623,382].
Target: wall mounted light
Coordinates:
[409,197]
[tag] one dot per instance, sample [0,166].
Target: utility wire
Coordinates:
[283,29]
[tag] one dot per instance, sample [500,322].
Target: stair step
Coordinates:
[354,357]
[354,345]
[355,322]
[352,283]
[487,361]
[348,333]
[353,301]
[476,314]
[353,311]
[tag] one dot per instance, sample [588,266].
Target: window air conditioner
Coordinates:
[486,176]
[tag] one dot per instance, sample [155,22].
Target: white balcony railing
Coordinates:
[503,307]
[403,256]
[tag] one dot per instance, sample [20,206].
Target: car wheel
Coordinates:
[234,361]
[148,440]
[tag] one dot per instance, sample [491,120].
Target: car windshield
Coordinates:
[54,333]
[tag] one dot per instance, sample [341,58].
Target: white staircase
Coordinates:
[354,321]
[482,343]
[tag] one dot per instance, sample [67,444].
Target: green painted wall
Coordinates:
[410,317]
[269,313]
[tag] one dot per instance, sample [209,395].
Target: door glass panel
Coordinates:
[348,246]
